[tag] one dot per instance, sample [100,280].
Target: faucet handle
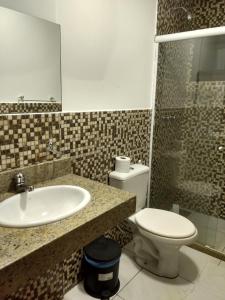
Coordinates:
[20,184]
[30,188]
[19,178]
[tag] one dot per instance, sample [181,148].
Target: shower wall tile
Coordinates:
[188,165]
[205,14]
[167,153]
[174,74]
[206,93]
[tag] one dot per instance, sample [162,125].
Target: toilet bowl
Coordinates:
[158,240]
[158,234]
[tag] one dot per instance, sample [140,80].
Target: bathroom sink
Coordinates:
[43,206]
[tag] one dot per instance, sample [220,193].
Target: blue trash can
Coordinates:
[101,268]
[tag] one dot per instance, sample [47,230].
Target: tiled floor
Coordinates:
[202,277]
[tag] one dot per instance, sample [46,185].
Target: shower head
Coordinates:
[189,15]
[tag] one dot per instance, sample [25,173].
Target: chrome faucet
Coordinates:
[20,184]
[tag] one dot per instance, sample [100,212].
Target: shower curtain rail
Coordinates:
[190,34]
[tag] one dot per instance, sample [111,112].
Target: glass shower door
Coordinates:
[189,135]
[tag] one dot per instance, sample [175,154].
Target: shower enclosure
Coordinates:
[188,162]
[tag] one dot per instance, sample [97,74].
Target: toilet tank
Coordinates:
[136,181]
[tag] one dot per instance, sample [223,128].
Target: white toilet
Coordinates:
[160,233]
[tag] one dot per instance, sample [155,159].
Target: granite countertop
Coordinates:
[108,205]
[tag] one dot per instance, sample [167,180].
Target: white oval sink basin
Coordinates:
[43,206]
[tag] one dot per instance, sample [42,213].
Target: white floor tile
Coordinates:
[202,277]
[192,263]
[128,269]
[78,293]
[212,279]
[200,293]
[147,286]
[222,264]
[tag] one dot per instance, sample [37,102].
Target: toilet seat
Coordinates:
[165,223]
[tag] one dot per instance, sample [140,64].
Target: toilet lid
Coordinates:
[165,223]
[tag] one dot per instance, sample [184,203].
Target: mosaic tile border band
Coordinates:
[16,108]
[91,139]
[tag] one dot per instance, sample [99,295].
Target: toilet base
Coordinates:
[153,267]
[163,262]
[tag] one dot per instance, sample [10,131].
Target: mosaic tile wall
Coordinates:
[55,283]
[14,108]
[188,163]
[205,14]
[92,139]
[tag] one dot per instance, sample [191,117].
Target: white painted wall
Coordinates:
[30,57]
[45,9]
[107,50]
[107,53]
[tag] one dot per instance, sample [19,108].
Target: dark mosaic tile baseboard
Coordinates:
[16,108]
[205,14]
[55,283]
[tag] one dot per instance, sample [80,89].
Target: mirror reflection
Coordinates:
[30,60]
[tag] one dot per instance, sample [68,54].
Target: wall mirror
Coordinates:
[30,64]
